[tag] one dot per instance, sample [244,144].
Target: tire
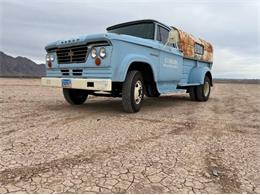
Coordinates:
[133,92]
[75,96]
[192,92]
[203,91]
[151,91]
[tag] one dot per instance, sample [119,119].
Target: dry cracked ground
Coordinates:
[173,145]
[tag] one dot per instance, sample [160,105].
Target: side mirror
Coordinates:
[173,37]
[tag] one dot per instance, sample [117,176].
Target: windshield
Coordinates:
[142,30]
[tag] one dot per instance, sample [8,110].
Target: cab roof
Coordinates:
[135,22]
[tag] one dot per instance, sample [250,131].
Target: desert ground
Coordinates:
[173,145]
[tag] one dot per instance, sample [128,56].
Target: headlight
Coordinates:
[102,52]
[50,57]
[94,53]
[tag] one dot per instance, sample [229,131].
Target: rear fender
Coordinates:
[198,74]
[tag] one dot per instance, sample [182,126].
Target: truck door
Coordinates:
[171,60]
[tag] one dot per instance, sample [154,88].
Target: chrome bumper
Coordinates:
[75,83]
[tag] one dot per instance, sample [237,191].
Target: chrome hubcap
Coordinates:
[138,92]
[206,89]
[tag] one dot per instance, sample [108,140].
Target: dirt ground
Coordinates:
[173,145]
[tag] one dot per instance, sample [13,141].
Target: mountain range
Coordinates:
[24,67]
[20,67]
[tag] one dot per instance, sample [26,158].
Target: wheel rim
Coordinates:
[206,89]
[138,92]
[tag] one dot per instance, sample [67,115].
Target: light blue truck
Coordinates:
[132,59]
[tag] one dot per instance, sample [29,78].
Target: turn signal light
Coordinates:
[49,64]
[97,61]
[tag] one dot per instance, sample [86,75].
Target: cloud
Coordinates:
[233,27]
[229,64]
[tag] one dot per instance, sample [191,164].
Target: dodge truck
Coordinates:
[130,60]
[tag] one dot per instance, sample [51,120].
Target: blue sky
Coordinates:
[233,27]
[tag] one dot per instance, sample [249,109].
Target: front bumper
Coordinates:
[75,83]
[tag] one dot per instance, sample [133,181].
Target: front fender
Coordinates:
[197,74]
[129,59]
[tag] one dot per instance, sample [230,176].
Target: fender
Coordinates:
[129,59]
[197,74]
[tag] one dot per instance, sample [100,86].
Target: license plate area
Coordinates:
[66,83]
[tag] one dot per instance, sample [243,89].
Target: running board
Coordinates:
[186,85]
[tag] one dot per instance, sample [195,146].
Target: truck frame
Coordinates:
[132,59]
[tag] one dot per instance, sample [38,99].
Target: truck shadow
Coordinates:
[114,104]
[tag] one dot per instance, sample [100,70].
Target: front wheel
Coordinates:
[133,92]
[75,96]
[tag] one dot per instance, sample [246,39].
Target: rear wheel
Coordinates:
[75,96]
[133,92]
[202,92]
[192,92]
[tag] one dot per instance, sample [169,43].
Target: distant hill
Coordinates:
[239,81]
[20,67]
[24,67]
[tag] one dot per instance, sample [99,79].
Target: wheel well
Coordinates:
[148,76]
[208,74]
[145,70]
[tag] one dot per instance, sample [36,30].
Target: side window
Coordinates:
[198,49]
[162,34]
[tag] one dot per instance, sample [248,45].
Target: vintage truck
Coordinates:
[132,59]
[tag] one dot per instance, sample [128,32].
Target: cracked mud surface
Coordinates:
[173,145]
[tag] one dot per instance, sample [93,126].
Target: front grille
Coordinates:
[77,72]
[72,72]
[74,54]
[65,72]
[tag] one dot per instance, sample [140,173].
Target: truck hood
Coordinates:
[100,37]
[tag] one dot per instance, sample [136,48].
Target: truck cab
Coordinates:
[132,59]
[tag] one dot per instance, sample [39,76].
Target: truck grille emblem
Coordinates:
[71,53]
